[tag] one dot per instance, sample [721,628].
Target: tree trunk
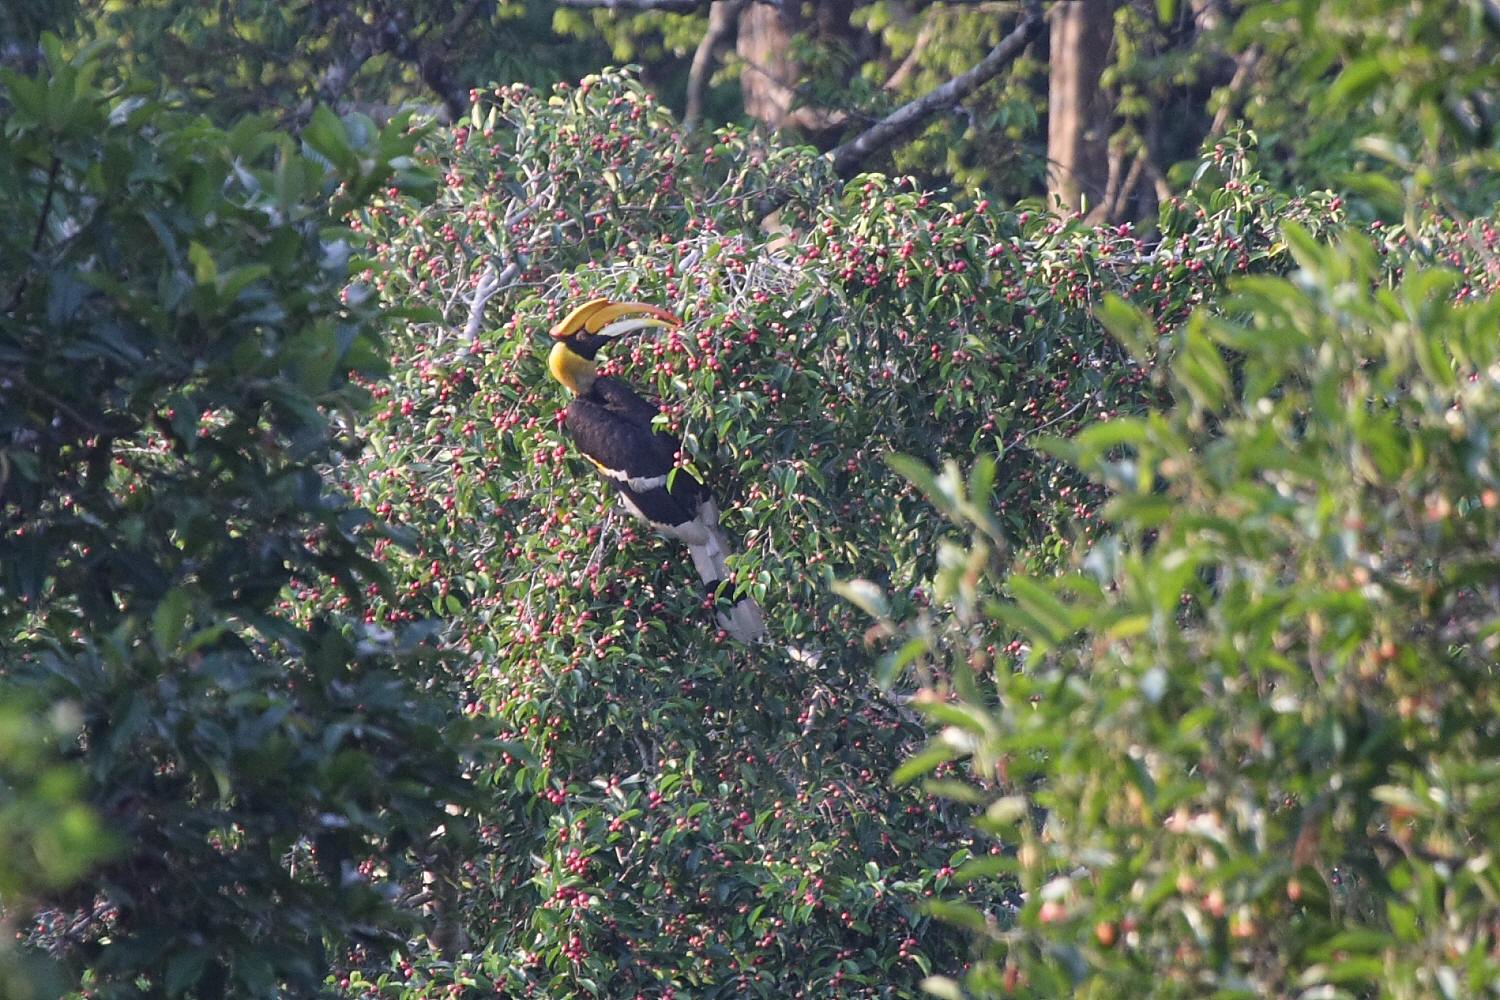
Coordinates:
[1078,114]
[770,77]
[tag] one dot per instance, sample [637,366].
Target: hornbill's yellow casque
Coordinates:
[611,426]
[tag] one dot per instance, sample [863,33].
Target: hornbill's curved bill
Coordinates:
[611,426]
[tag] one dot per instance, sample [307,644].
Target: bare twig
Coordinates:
[909,64]
[41,230]
[87,423]
[606,534]
[1159,182]
[848,157]
[1127,187]
[1244,67]
[1034,431]
[1105,208]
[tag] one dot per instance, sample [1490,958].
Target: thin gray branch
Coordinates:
[41,230]
[900,123]
[1116,207]
[489,285]
[1245,65]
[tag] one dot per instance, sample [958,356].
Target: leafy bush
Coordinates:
[175,358]
[51,837]
[1248,745]
[684,816]
[1389,100]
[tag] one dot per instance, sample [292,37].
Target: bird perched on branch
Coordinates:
[612,427]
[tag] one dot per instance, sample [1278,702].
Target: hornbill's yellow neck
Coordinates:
[572,369]
[583,331]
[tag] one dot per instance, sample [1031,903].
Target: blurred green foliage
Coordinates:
[366,649]
[176,338]
[1397,103]
[1247,743]
[1340,91]
[52,838]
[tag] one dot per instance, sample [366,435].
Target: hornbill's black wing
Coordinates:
[612,427]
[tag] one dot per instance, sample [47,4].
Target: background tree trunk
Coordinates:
[771,75]
[1078,114]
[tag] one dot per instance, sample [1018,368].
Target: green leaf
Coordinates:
[967,717]
[892,664]
[957,791]
[184,969]
[205,271]
[987,867]
[237,280]
[169,618]
[943,988]
[1128,324]
[922,763]
[1055,620]
[919,475]
[957,914]
[28,96]
[326,135]
[1007,810]
[1358,80]
[864,595]
[1308,253]
[1201,369]
[1093,441]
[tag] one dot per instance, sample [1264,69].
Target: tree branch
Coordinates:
[721,21]
[85,422]
[336,76]
[909,64]
[396,36]
[900,123]
[454,33]
[41,230]
[489,285]
[1244,68]
[669,6]
[1132,178]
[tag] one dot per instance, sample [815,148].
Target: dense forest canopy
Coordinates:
[1110,100]
[1100,399]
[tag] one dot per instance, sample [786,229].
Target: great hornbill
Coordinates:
[612,427]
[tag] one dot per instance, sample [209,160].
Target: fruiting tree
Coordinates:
[682,815]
